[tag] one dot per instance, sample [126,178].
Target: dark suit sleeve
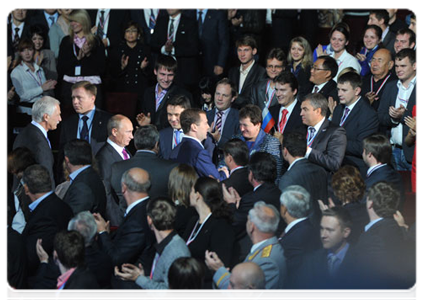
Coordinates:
[79,197]
[386,100]
[223,38]
[222,241]
[205,167]
[187,43]
[366,125]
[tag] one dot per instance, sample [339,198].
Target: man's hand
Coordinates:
[102,225]
[49,85]
[410,122]
[143,119]
[323,206]
[279,136]
[372,97]
[213,261]
[169,46]
[231,195]
[129,272]
[360,57]
[42,254]
[397,113]
[331,105]
[218,70]
[225,170]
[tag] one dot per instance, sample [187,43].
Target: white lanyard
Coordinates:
[193,236]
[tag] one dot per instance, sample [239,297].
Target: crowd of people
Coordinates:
[211,149]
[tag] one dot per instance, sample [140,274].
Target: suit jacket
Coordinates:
[294,123]
[388,99]
[385,173]
[100,264]
[138,16]
[165,142]
[259,96]
[10,35]
[69,130]
[48,218]
[186,47]
[389,41]
[230,128]
[361,122]
[328,148]
[256,74]
[330,89]
[239,181]
[82,278]
[214,41]
[269,257]
[191,153]
[32,138]
[87,192]
[157,168]
[148,104]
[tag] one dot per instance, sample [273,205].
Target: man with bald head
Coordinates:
[119,129]
[247,275]
[133,241]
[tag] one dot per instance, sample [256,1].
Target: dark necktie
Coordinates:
[100,29]
[344,117]
[171,29]
[84,131]
[311,130]
[200,23]
[152,22]
[218,125]
[16,39]
[51,20]
[316,89]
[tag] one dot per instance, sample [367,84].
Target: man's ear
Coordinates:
[346,232]
[26,189]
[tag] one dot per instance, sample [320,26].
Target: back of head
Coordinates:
[189,117]
[162,212]
[348,185]
[70,249]
[385,199]
[341,214]
[247,275]
[207,85]
[166,62]
[253,112]
[181,179]
[19,159]
[238,150]
[85,224]
[296,199]
[287,78]
[136,180]
[45,105]
[78,152]
[352,78]
[186,273]
[265,217]
[379,146]
[317,100]
[146,137]
[295,143]
[329,63]
[212,195]
[263,166]
[37,179]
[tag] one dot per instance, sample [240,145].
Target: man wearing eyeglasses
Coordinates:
[322,73]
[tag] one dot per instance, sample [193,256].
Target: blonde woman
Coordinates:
[300,59]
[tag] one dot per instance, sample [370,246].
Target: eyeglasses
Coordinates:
[317,69]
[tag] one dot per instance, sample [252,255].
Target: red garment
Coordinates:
[415,165]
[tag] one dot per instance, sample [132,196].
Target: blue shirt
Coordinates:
[368,226]
[34,204]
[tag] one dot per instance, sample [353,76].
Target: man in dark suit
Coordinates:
[17,29]
[304,173]
[45,117]
[89,123]
[381,18]
[153,106]
[147,19]
[264,91]
[322,73]
[397,102]
[223,119]
[45,18]
[191,151]
[48,214]
[120,131]
[236,156]
[86,191]
[326,142]
[177,35]
[133,241]
[248,73]
[213,33]
[146,141]
[357,117]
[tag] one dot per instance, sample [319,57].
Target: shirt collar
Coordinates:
[26,68]
[371,169]
[118,148]
[255,189]
[162,245]
[89,114]
[298,159]
[411,85]
[247,70]
[177,18]
[237,168]
[34,204]
[193,138]
[62,279]
[293,223]
[351,106]
[318,125]
[75,173]
[130,207]
[368,226]
[38,125]
[341,253]
[257,246]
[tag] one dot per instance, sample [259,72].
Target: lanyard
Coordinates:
[381,86]
[156,259]
[193,236]
[269,101]
[40,83]
[311,141]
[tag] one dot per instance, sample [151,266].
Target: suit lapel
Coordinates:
[321,132]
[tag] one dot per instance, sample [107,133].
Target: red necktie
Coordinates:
[283,120]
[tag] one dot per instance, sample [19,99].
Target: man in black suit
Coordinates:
[248,73]
[302,172]
[120,131]
[176,35]
[45,18]
[397,102]
[381,18]
[326,142]
[213,34]
[153,106]
[89,123]
[357,117]
[322,73]
[133,241]
[17,29]
[45,117]
[146,141]
[236,156]
[223,119]
[86,191]
[264,91]
[147,19]
[48,214]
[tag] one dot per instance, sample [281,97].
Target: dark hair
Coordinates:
[146,137]
[295,143]
[25,43]
[86,85]
[211,192]
[19,159]
[340,213]
[329,63]
[263,166]
[253,112]
[342,28]
[379,146]
[180,100]
[162,212]
[385,199]
[238,149]
[348,185]
[181,180]
[376,28]
[167,62]
[278,54]
[137,26]
[246,40]
[37,178]
[381,14]
[78,152]
[351,77]
[207,85]
[229,82]
[410,53]
[186,273]
[287,78]
[410,33]
[70,248]
[190,116]
[41,31]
